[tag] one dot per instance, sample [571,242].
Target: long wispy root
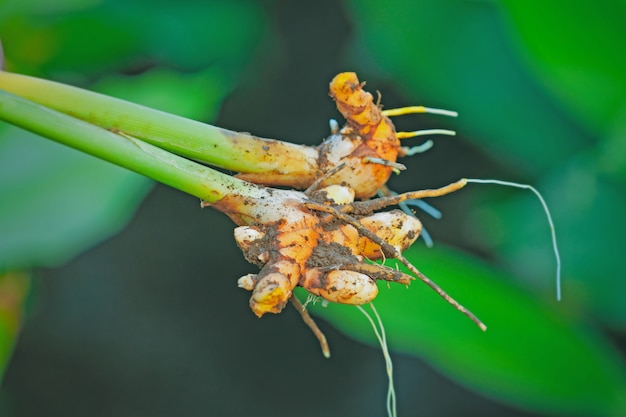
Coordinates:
[555,247]
[379,331]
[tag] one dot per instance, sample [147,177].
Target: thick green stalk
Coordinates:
[126,151]
[191,139]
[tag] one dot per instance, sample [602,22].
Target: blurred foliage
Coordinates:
[455,53]
[106,47]
[580,60]
[60,202]
[80,39]
[540,89]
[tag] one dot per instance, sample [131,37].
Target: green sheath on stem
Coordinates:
[126,151]
[189,138]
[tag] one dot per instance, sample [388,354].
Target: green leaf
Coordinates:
[577,52]
[532,355]
[41,37]
[225,32]
[611,158]
[57,201]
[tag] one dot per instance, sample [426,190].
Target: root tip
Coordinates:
[326,353]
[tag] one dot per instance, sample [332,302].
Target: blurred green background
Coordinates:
[133,307]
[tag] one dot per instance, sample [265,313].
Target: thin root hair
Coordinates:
[382,339]
[547,211]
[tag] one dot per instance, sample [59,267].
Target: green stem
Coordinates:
[126,151]
[191,139]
